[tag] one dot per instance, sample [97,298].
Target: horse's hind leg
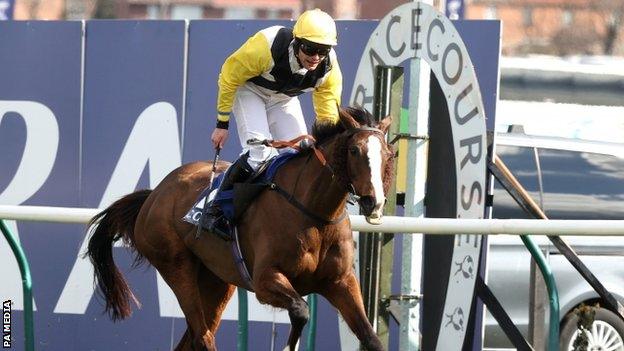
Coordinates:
[215,294]
[273,288]
[185,343]
[180,271]
[345,296]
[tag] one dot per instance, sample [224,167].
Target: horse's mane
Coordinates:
[323,131]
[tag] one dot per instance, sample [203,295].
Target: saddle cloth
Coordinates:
[234,202]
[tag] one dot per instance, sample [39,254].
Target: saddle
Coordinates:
[235,202]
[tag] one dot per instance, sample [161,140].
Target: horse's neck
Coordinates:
[325,194]
[316,187]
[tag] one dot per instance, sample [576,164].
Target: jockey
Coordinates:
[259,84]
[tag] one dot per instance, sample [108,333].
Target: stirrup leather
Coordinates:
[213,218]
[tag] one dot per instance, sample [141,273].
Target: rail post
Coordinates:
[243,320]
[311,340]
[553,295]
[20,256]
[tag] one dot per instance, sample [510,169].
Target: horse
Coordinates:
[291,251]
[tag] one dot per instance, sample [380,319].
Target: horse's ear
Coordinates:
[347,120]
[385,123]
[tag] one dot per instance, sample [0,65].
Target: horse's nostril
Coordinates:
[367,204]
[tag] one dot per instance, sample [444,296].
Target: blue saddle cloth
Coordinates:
[225,199]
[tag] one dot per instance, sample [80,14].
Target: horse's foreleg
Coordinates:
[346,297]
[273,288]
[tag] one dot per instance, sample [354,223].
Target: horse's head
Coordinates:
[369,160]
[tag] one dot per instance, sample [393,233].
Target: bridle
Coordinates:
[350,133]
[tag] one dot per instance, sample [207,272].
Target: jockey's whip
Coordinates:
[212,176]
[214,165]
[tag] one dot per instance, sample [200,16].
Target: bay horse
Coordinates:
[289,251]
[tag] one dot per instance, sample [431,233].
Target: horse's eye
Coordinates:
[353,150]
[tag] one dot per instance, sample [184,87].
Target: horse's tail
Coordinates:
[114,223]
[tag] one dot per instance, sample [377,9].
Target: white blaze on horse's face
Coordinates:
[375,162]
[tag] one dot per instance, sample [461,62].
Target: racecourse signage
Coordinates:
[416,30]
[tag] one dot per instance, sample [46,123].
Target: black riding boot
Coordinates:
[213,218]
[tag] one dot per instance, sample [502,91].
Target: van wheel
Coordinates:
[607,332]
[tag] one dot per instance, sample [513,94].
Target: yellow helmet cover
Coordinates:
[316,26]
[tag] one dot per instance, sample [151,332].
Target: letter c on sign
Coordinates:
[393,53]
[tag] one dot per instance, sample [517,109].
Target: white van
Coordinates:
[569,179]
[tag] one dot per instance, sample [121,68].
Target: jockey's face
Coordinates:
[310,55]
[309,62]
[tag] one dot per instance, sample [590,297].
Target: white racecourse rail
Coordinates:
[391,224]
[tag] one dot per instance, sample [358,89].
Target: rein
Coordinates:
[294,144]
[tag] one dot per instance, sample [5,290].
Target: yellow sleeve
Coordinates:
[326,97]
[251,59]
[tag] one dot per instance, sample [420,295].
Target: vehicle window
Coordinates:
[521,162]
[582,185]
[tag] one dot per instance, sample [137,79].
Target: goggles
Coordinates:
[311,49]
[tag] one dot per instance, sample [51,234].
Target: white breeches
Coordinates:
[260,116]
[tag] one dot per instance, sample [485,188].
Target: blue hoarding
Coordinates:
[40,70]
[85,119]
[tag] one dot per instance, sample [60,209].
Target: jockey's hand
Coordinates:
[305,144]
[219,136]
